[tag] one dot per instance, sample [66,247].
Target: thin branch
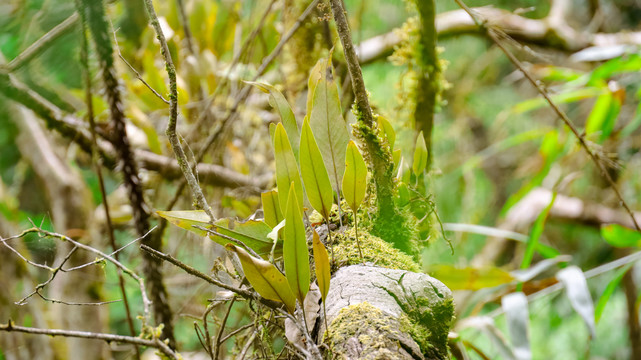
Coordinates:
[84,60]
[155,343]
[235,332]
[222,328]
[196,191]
[42,43]
[494,35]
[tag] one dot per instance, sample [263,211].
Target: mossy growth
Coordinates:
[358,321]
[429,325]
[375,250]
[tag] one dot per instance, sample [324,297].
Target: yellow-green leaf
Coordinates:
[295,254]
[314,78]
[315,177]
[321,262]
[388,130]
[328,125]
[355,177]
[286,167]
[186,219]
[265,278]
[278,102]
[470,278]
[271,208]
[252,233]
[420,155]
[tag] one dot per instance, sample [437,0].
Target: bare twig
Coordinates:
[494,35]
[42,43]
[196,191]
[153,343]
[222,329]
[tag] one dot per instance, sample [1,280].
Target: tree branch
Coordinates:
[155,343]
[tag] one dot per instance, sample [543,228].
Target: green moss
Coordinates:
[429,326]
[355,321]
[375,250]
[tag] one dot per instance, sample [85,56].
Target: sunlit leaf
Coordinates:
[620,236]
[576,288]
[251,233]
[317,184]
[396,157]
[420,155]
[278,102]
[265,278]
[328,125]
[295,254]
[515,307]
[355,178]
[609,290]
[321,263]
[605,111]
[271,208]
[314,77]
[470,278]
[286,168]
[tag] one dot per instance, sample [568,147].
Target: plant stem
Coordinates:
[358,241]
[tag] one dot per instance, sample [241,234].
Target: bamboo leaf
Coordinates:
[328,125]
[420,155]
[278,102]
[321,262]
[295,254]
[186,219]
[609,290]
[271,208]
[286,168]
[517,316]
[355,177]
[265,278]
[470,278]
[576,288]
[317,184]
[620,236]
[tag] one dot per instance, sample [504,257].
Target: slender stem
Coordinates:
[358,241]
[330,241]
[222,328]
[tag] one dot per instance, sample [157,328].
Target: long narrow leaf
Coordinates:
[295,254]
[271,208]
[286,168]
[516,312]
[355,177]
[278,102]
[265,278]
[609,290]
[329,127]
[317,184]
[420,155]
[576,288]
[535,234]
[321,262]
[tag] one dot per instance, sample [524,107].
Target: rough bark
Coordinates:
[378,313]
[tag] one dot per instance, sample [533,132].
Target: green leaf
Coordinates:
[388,130]
[278,102]
[295,254]
[603,116]
[265,278]
[396,156]
[271,208]
[321,263]
[609,290]
[620,236]
[535,234]
[328,126]
[420,155]
[317,184]
[470,278]
[314,78]
[355,177]
[286,167]
[252,233]
[186,219]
